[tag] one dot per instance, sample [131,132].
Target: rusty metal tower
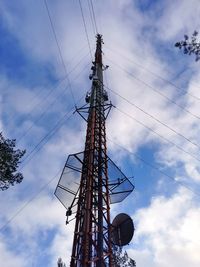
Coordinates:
[99,181]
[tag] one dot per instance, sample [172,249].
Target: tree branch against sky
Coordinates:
[9,162]
[190,45]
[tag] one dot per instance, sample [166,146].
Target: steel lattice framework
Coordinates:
[92,236]
[92,243]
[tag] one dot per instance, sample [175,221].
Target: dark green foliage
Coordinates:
[121,258]
[190,46]
[9,160]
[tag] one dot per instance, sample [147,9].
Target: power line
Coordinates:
[46,96]
[47,136]
[91,18]
[153,117]
[78,53]
[161,136]
[54,87]
[45,110]
[158,92]
[94,17]
[172,73]
[59,49]
[155,168]
[35,150]
[11,117]
[84,24]
[29,201]
[184,92]
[53,178]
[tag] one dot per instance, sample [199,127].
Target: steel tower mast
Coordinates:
[92,243]
[92,236]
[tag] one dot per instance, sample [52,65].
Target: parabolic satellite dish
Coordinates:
[123,229]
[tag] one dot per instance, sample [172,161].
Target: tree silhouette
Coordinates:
[121,258]
[9,160]
[190,45]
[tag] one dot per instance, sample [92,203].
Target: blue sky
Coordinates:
[153,133]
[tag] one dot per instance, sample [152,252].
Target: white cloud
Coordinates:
[167,230]
[8,257]
[180,17]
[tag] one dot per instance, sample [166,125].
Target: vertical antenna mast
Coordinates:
[92,243]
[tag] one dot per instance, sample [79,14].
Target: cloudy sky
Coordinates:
[153,133]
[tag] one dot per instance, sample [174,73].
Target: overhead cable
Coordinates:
[29,201]
[183,92]
[153,117]
[91,17]
[86,32]
[59,50]
[50,105]
[46,138]
[155,168]
[155,90]
[94,16]
[161,136]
